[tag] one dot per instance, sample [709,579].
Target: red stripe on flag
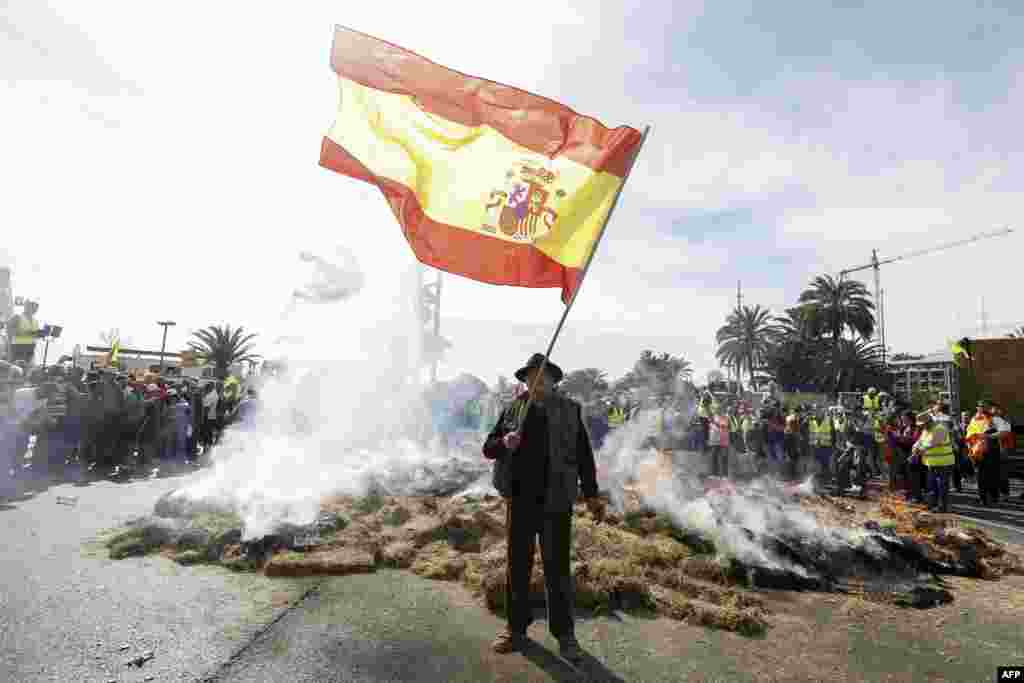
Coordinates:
[457,250]
[537,123]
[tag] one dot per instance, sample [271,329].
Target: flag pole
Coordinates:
[583,273]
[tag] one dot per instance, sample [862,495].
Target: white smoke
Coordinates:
[331,280]
[737,517]
[349,414]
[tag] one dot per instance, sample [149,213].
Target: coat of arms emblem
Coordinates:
[521,209]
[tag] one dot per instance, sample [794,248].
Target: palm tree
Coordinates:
[838,306]
[661,373]
[746,339]
[799,324]
[223,347]
[860,364]
[585,383]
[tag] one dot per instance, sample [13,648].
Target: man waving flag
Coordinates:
[487,181]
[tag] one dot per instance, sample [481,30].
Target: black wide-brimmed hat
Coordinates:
[535,362]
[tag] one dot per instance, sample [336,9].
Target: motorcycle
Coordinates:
[851,470]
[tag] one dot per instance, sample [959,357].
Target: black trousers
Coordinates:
[918,476]
[719,460]
[990,475]
[525,521]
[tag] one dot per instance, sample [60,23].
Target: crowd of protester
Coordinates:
[841,445]
[107,420]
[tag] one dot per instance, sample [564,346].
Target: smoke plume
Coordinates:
[349,416]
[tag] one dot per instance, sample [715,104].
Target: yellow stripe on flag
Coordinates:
[463,176]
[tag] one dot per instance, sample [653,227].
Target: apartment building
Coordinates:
[934,374]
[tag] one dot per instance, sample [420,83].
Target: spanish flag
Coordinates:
[487,181]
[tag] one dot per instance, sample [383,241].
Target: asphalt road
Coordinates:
[67,613]
[1008,514]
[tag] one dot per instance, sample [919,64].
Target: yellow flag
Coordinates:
[957,350]
[115,351]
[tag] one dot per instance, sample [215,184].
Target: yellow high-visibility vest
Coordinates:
[616,417]
[821,433]
[941,454]
[26,331]
[872,403]
[879,432]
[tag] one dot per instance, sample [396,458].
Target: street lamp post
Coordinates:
[165,324]
[49,332]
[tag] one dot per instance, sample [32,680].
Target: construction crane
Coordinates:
[875,264]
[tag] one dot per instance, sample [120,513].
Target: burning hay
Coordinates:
[637,558]
[938,543]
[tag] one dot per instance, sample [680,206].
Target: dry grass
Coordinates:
[639,560]
[439,560]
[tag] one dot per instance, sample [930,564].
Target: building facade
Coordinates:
[933,375]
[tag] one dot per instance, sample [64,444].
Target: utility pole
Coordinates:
[739,295]
[881,316]
[430,318]
[878,302]
[163,347]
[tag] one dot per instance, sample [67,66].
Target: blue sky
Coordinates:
[788,140]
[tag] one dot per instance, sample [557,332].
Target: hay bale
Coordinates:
[399,554]
[658,551]
[438,561]
[928,522]
[395,515]
[699,613]
[335,562]
[194,539]
[369,504]
[988,570]
[491,584]
[142,538]
[706,568]
[219,544]
[422,531]
[695,589]
[463,533]
[189,557]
